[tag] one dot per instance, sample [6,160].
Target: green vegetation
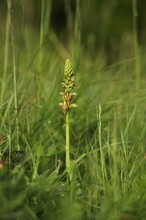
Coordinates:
[85,164]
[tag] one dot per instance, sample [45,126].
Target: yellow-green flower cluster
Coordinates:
[68,85]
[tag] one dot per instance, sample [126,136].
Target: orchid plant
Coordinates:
[67,104]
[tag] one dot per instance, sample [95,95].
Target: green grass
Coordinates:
[107,130]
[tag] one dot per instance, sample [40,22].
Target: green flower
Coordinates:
[68,71]
[68,85]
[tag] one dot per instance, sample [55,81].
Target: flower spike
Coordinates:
[68,85]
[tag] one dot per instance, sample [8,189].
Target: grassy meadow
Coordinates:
[107,129]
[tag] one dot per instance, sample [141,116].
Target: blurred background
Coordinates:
[104,25]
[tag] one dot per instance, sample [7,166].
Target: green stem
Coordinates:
[42,30]
[137,67]
[100,145]
[15,81]
[6,53]
[68,147]
[38,84]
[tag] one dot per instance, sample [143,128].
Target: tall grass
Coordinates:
[135,34]
[107,131]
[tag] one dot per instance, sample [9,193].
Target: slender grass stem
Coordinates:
[14,78]
[38,84]
[10,148]
[6,50]
[69,16]
[115,154]
[103,168]
[77,35]
[137,66]
[42,30]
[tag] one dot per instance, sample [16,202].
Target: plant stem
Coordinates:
[6,53]
[68,147]
[14,75]
[100,144]
[42,30]
[38,84]
[137,66]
